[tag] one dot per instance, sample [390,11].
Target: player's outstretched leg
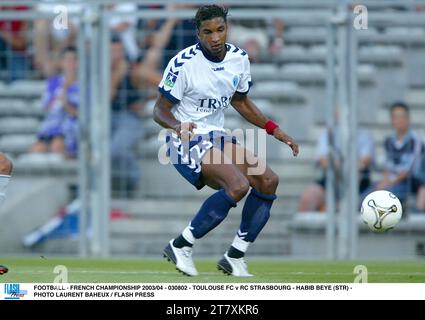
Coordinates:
[181,257]
[255,214]
[232,186]
[212,212]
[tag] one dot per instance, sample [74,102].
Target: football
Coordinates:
[381,211]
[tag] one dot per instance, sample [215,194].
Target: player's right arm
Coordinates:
[165,118]
[162,113]
[171,91]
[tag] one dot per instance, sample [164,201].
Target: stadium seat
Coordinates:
[16,143]
[275,89]
[264,71]
[20,107]
[294,49]
[47,165]
[27,87]
[305,32]
[318,49]
[18,125]
[403,31]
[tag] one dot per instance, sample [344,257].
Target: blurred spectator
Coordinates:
[420,178]
[276,40]
[49,41]
[125,28]
[182,35]
[420,7]
[420,203]
[127,80]
[13,47]
[258,37]
[154,55]
[313,197]
[126,124]
[402,149]
[60,102]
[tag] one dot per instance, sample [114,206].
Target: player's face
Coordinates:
[69,62]
[212,35]
[400,120]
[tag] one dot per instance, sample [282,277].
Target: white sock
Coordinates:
[240,244]
[4,181]
[188,235]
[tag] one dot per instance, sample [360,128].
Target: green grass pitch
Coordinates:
[40,269]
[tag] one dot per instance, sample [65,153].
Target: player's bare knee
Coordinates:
[238,188]
[5,165]
[272,181]
[269,183]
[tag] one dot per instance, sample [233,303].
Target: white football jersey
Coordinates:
[202,88]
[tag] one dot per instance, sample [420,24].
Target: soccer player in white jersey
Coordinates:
[199,83]
[5,172]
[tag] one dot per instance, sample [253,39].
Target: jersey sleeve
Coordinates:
[173,82]
[245,82]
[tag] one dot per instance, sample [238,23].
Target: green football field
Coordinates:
[41,269]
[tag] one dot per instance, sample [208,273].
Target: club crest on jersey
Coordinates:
[170,80]
[236,81]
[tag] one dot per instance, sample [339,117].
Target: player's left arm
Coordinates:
[247,109]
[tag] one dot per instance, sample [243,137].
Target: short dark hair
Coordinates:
[115,38]
[67,49]
[208,12]
[400,105]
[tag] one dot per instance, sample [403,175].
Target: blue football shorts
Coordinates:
[186,156]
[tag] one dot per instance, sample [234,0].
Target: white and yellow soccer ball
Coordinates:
[381,211]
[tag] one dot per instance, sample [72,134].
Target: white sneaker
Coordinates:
[233,266]
[182,258]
